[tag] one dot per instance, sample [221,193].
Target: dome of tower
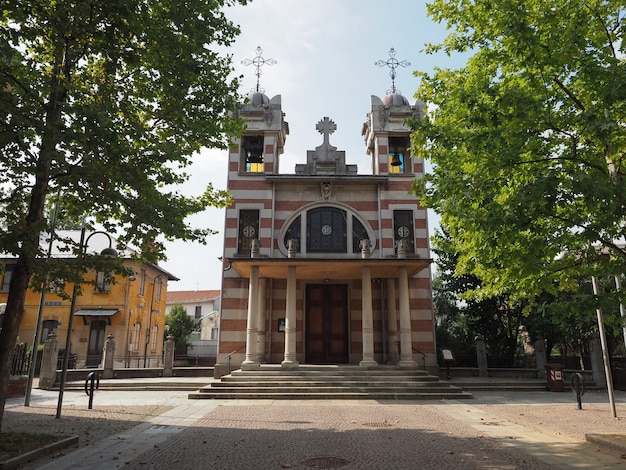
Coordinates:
[395,99]
[258,99]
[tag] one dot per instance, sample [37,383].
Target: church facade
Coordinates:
[324,265]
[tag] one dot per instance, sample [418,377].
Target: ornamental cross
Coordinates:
[258,62]
[393,64]
[326,127]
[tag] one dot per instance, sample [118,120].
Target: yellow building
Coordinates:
[131,309]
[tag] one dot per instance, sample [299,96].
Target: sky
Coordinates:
[325,53]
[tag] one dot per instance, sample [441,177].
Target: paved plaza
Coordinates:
[495,430]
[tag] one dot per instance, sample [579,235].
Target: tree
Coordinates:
[527,142]
[181,325]
[104,104]
[497,319]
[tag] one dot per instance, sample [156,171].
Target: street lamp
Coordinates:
[109,252]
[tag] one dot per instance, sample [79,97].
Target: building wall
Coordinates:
[134,308]
[372,198]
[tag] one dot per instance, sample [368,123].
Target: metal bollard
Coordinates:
[578,387]
[92,382]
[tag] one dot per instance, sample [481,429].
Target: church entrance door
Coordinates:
[326,324]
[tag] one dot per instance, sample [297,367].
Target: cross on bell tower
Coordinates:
[393,64]
[258,62]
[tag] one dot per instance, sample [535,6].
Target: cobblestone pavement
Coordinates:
[496,430]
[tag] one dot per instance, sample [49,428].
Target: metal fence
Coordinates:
[21,360]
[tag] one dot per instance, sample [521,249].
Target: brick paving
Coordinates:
[335,436]
[496,430]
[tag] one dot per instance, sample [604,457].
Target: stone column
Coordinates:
[406,343]
[289,361]
[367,319]
[392,321]
[292,248]
[168,357]
[49,359]
[255,248]
[540,358]
[261,322]
[401,246]
[108,357]
[481,356]
[251,363]
[366,248]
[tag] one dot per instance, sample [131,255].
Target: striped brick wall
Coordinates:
[373,201]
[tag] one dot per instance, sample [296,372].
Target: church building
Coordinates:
[325,265]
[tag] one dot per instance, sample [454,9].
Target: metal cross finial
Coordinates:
[258,62]
[393,64]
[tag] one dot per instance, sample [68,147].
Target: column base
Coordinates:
[365,363]
[290,364]
[250,365]
[407,364]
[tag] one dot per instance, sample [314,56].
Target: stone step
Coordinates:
[222,388]
[332,373]
[325,395]
[534,385]
[340,382]
[513,387]
[139,385]
[346,383]
[326,378]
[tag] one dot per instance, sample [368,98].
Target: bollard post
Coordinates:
[92,382]
[578,387]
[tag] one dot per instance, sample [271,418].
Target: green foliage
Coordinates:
[497,319]
[181,325]
[105,104]
[527,142]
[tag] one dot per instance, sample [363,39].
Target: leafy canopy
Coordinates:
[105,103]
[527,141]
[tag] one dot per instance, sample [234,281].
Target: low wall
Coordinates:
[508,373]
[17,386]
[76,375]
[492,372]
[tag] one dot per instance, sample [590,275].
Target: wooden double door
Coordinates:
[327,337]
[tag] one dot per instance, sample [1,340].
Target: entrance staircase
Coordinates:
[330,382]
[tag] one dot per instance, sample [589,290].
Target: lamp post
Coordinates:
[605,351]
[108,252]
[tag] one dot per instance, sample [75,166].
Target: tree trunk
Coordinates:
[31,231]
[11,323]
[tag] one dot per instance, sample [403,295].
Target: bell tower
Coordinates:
[263,140]
[387,137]
[252,158]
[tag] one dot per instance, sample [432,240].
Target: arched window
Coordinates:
[327,229]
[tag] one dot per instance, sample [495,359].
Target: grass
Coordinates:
[13,444]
